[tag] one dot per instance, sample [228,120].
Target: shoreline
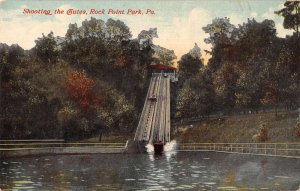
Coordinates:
[37,149]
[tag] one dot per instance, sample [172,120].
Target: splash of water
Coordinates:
[170,150]
[168,147]
[171,146]
[150,148]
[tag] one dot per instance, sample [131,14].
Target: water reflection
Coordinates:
[159,172]
[170,171]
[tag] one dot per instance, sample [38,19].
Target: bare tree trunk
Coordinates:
[297,24]
[100,137]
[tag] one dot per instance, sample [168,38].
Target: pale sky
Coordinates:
[179,22]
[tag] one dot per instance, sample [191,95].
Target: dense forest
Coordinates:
[250,68]
[95,78]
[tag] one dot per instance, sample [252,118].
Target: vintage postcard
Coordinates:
[150,95]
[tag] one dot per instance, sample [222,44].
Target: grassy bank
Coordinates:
[240,128]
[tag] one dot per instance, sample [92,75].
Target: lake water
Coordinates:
[171,171]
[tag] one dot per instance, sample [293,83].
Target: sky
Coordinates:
[179,22]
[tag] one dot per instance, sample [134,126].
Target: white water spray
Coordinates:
[168,147]
[150,148]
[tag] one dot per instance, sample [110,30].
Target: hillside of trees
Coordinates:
[95,78]
[250,69]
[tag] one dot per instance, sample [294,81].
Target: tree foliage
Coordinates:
[93,78]
[46,48]
[97,76]
[291,14]
[80,89]
[250,69]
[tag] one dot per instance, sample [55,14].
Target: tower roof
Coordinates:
[162,67]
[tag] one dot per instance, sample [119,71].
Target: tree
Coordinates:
[190,64]
[117,112]
[145,38]
[195,98]
[286,77]
[271,94]
[256,40]
[80,89]
[46,48]
[291,14]
[26,113]
[48,102]
[163,55]
[91,28]
[222,37]
[196,51]
[10,57]
[220,30]
[248,90]
[117,31]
